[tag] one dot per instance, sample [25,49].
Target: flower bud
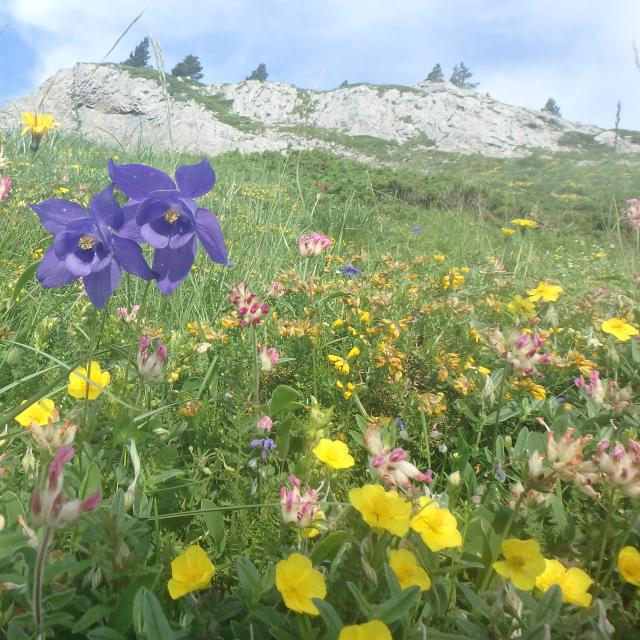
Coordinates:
[454,479]
[152,366]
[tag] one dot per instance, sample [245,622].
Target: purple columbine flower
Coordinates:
[349,271]
[265,443]
[169,218]
[94,245]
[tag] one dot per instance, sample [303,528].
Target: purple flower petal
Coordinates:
[130,228]
[101,284]
[151,209]
[138,180]
[54,214]
[173,265]
[79,262]
[52,272]
[129,255]
[105,208]
[195,180]
[210,234]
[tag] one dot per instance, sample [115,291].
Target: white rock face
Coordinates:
[108,105]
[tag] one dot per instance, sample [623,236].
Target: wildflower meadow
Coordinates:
[294,396]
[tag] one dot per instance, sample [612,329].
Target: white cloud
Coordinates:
[578,51]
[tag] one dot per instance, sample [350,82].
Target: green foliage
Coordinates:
[190,67]
[139,57]
[436,75]
[461,75]
[259,73]
[551,106]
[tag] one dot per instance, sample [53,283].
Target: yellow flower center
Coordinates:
[171,216]
[517,562]
[87,242]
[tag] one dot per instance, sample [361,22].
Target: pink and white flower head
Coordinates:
[268,358]
[393,466]
[632,214]
[5,186]
[265,423]
[276,290]
[152,365]
[313,245]
[619,467]
[251,309]
[523,351]
[605,392]
[49,506]
[128,316]
[298,508]
[55,434]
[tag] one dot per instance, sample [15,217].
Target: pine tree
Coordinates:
[259,73]
[190,67]
[551,106]
[436,75]
[344,84]
[461,76]
[139,57]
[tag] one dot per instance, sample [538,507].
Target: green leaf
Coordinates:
[284,398]
[392,580]
[329,616]
[90,617]
[476,602]
[122,617]
[25,276]
[104,633]
[149,620]
[248,577]
[14,632]
[11,506]
[215,523]
[328,548]
[281,634]
[91,482]
[165,475]
[365,608]
[399,606]
[549,606]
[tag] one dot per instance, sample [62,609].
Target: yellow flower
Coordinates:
[438,258]
[298,582]
[573,582]
[312,530]
[525,223]
[374,630]
[80,388]
[382,509]
[340,364]
[519,306]
[629,565]
[353,353]
[334,453]
[436,525]
[38,413]
[545,292]
[523,564]
[190,571]
[36,124]
[619,328]
[507,231]
[405,565]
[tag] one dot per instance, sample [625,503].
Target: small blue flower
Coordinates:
[416,230]
[349,271]
[265,443]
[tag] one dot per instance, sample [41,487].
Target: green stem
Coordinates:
[605,530]
[496,426]
[256,367]
[363,411]
[507,530]
[38,575]
[132,346]
[425,430]
[314,367]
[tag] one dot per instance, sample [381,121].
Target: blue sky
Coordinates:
[520,51]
